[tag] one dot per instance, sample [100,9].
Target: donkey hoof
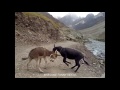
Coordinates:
[45,68]
[41,71]
[71,67]
[75,71]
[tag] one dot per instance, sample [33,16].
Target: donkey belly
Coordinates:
[74,57]
[70,57]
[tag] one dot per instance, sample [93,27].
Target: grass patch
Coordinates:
[36,14]
[101,37]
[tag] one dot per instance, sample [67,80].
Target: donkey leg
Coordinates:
[64,60]
[78,64]
[68,62]
[39,61]
[45,63]
[38,66]
[28,63]
[73,66]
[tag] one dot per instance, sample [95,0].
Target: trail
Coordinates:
[56,69]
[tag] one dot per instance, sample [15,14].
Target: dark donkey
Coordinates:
[70,54]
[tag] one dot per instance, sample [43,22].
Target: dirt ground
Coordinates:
[56,69]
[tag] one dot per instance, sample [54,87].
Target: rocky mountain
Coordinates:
[68,19]
[82,23]
[40,27]
[34,27]
[51,17]
[96,32]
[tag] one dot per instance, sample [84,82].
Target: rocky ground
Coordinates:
[57,69]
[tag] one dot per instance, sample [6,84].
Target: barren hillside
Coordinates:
[96,32]
[34,28]
[31,27]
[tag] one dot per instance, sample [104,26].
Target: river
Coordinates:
[97,48]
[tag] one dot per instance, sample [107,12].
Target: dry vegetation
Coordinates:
[35,14]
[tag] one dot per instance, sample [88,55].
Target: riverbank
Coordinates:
[97,48]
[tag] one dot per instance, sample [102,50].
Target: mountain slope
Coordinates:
[78,23]
[68,19]
[89,20]
[96,32]
[31,27]
[40,27]
[52,18]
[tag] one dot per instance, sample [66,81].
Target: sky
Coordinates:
[61,14]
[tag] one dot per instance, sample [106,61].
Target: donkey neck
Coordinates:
[60,49]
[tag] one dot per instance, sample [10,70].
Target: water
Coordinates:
[97,48]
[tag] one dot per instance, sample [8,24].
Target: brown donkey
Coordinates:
[39,53]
